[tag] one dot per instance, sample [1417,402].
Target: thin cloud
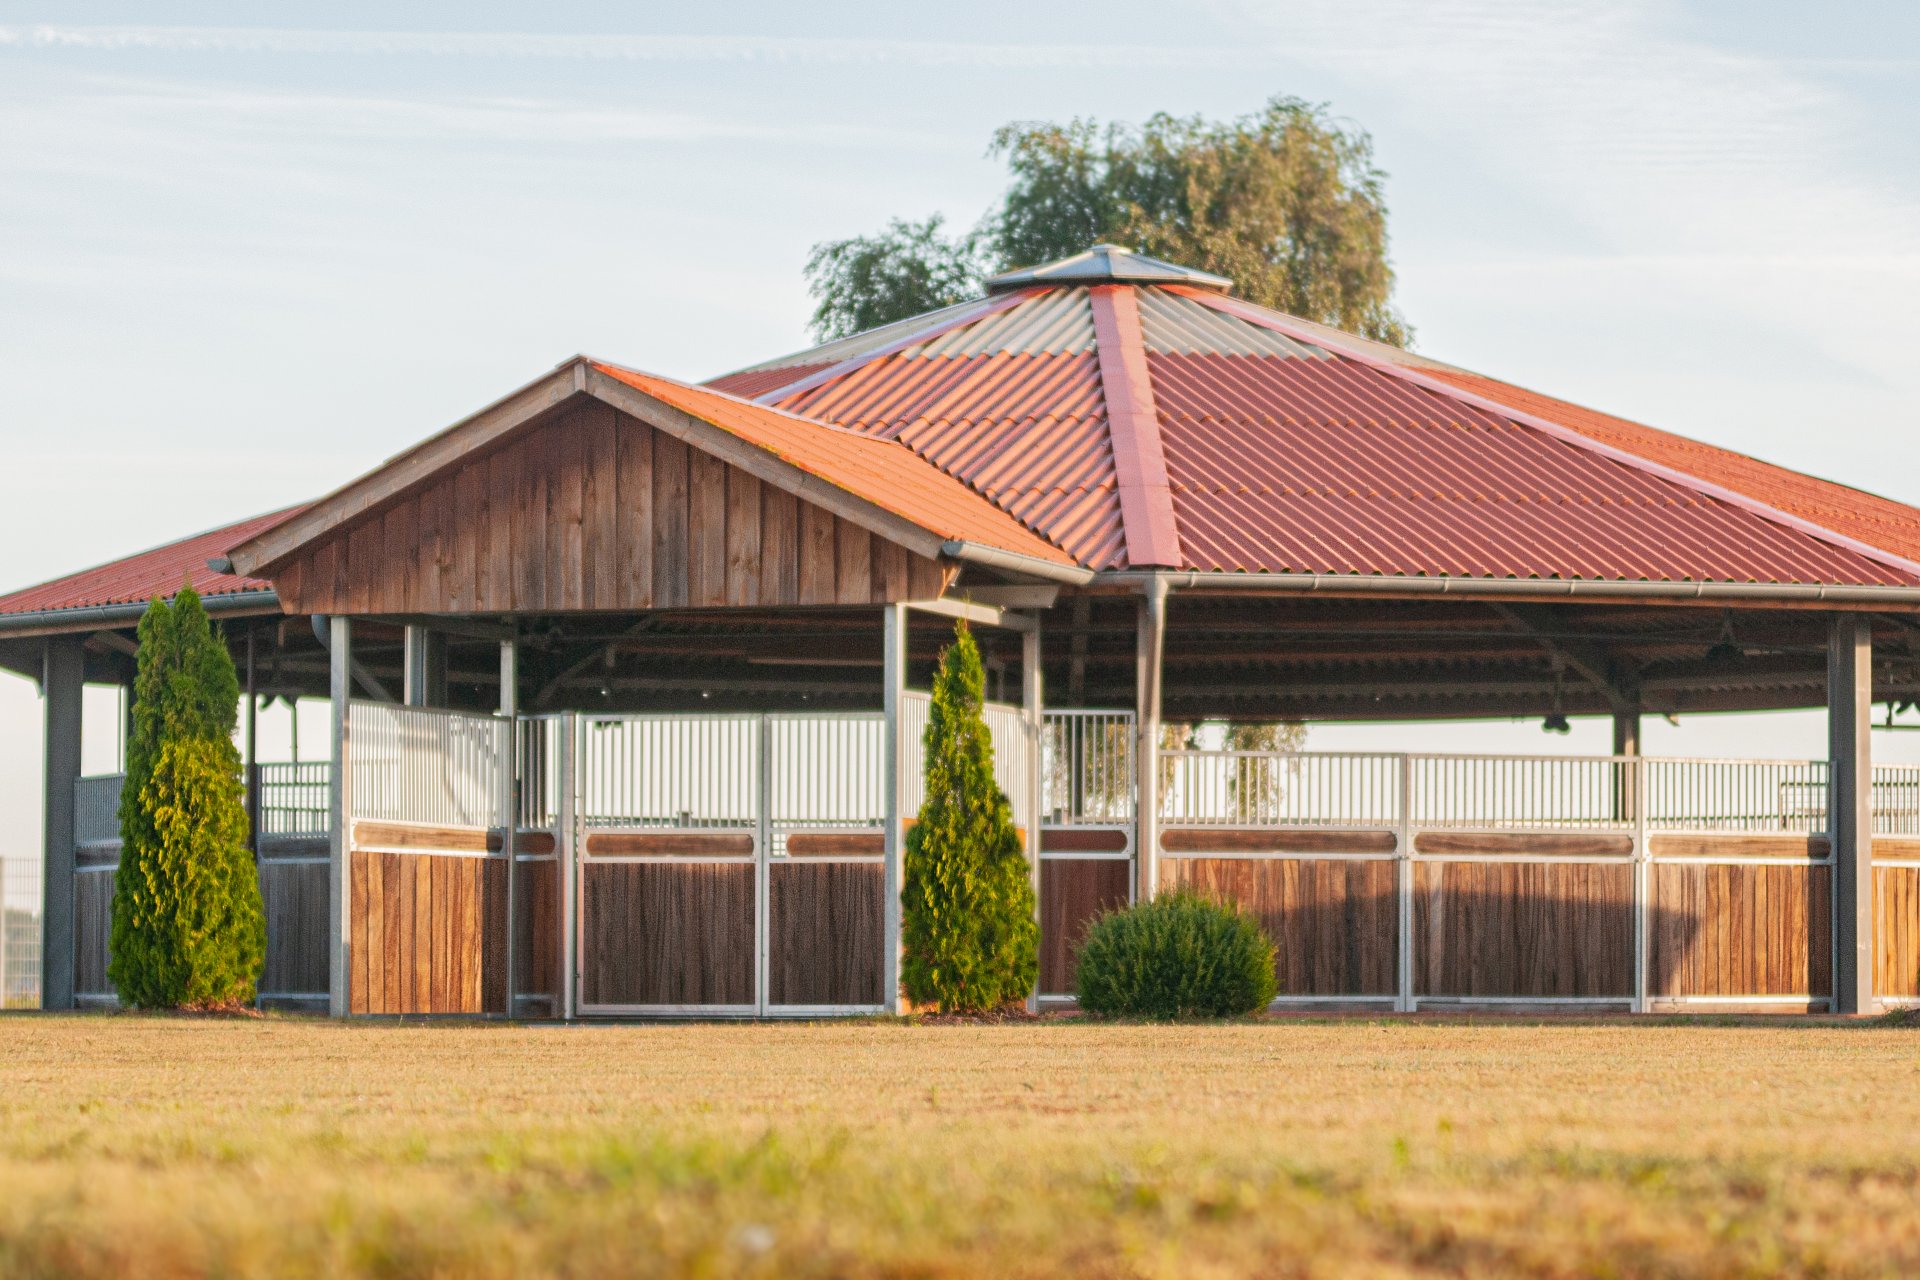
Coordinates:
[799,50]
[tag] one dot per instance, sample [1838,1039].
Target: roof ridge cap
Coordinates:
[1147,520]
[1577,439]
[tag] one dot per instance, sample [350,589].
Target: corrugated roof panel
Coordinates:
[1051,322]
[749,383]
[157,572]
[1028,431]
[1852,512]
[1330,466]
[846,348]
[1173,324]
[880,471]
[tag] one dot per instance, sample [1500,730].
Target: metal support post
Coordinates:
[1405,1001]
[568,821]
[509,772]
[1031,700]
[1850,809]
[63,680]
[1149,656]
[339,804]
[894,678]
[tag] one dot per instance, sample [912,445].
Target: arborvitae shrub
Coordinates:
[188,927]
[968,933]
[1178,956]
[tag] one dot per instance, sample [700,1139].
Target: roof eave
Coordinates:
[93,617]
[1718,593]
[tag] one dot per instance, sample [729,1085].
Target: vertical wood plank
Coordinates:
[469,540]
[779,547]
[565,491]
[819,556]
[634,502]
[600,527]
[743,538]
[530,524]
[670,522]
[501,573]
[889,571]
[707,531]
[854,546]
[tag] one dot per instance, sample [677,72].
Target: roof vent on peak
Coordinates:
[1107,264]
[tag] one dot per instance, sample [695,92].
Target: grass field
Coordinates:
[163,1147]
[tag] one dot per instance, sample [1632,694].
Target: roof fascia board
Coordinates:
[1133,423]
[1706,488]
[409,468]
[987,307]
[764,464]
[1758,594]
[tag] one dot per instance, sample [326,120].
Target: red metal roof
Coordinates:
[158,572]
[1292,447]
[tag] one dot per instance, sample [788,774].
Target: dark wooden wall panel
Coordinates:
[824,925]
[595,510]
[295,896]
[92,932]
[1896,931]
[1333,922]
[537,938]
[661,933]
[1742,930]
[1072,892]
[1523,929]
[428,934]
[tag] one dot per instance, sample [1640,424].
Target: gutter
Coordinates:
[93,616]
[1551,588]
[1015,562]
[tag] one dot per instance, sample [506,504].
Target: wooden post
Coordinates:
[894,678]
[1850,809]
[569,845]
[1626,742]
[1149,656]
[339,845]
[509,809]
[424,667]
[63,679]
[1031,696]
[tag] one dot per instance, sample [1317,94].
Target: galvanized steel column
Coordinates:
[1031,697]
[1850,809]
[1149,656]
[339,799]
[509,773]
[894,683]
[62,681]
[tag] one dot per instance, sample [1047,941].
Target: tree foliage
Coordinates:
[1286,202]
[968,932]
[188,927]
[1178,956]
[907,270]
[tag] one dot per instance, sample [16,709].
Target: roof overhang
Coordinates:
[49,622]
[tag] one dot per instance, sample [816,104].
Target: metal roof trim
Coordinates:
[86,617]
[1559,588]
[1133,426]
[1107,264]
[1277,322]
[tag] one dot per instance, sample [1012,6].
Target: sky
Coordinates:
[247,252]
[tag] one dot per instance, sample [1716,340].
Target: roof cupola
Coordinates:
[1107,264]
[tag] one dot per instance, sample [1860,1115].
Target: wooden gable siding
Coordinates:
[595,510]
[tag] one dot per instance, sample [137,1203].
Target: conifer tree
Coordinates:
[188,926]
[967,918]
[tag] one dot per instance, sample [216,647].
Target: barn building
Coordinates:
[627,676]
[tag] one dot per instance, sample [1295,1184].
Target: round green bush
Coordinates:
[1179,956]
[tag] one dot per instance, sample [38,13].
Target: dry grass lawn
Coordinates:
[280,1147]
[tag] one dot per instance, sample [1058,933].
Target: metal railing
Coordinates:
[826,770]
[674,771]
[96,808]
[1087,768]
[415,764]
[20,902]
[1494,792]
[295,798]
